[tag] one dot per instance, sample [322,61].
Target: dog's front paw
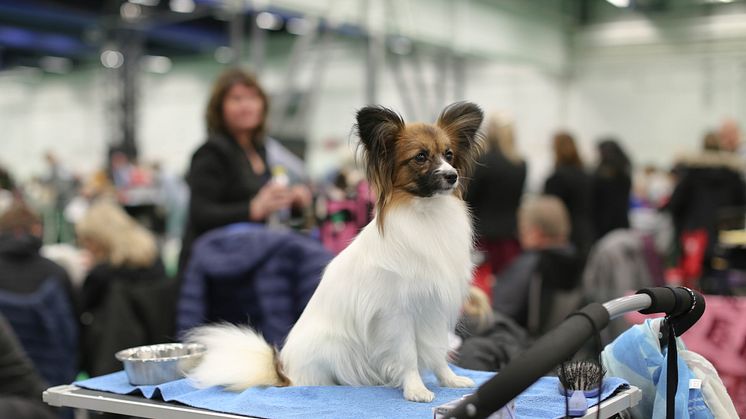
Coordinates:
[419,395]
[458,381]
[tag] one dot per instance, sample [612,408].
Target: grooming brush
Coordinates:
[581,381]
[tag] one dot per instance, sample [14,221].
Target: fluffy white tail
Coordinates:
[236,357]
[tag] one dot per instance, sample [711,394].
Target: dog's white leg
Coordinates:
[414,388]
[399,361]
[433,351]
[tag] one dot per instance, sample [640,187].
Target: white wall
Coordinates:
[658,83]
[41,112]
[522,50]
[171,116]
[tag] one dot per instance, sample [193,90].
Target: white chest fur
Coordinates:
[428,245]
[432,235]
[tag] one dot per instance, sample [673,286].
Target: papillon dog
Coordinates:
[385,305]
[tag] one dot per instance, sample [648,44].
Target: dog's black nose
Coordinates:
[451,178]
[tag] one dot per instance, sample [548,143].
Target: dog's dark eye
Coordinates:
[421,157]
[449,156]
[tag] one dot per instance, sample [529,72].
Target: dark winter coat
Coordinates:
[709,184]
[20,384]
[249,272]
[36,298]
[492,348]
[611,193]
[222,183]
[494,195]
[533,288]
[23,269]
[573,186]
[124,307]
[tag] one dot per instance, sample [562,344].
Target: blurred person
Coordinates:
[37,297]
[20,384]
[6,180]
[540,288]
[63,188]
[650,187]
[571,184]
[126,297]
[710,184]
[22,268]
[495,192]
[229,176]
[729,135]
[612,184]
[621,262]
[121,170]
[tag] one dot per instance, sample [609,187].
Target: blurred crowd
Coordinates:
[132,255]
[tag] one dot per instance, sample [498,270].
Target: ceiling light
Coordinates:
[619,3]
[130,11]
[268,21]
[112,58]
[181,6]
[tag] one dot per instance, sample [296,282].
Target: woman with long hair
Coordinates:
[229,177]
[495,192]
[572,185]
[121,300]
[612,183]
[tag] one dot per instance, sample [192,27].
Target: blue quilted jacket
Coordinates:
[45,324]
[248,272]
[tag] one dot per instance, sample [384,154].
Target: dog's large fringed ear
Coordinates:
[461,121]
[378,128]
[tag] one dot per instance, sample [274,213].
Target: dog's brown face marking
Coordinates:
[420,153]
[404,161]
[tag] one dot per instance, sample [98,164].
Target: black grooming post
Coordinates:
[682,306]
[551,349]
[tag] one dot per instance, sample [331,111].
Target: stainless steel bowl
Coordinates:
[157,364]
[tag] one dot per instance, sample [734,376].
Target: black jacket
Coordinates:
[124,307]
[222,184]
[610,202]
[494,195]
[709,183]
[558,270]
[23,269]
[18,377]
[573,186]
[492,348]
[20,384]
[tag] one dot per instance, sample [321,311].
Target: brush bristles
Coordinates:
[580,375]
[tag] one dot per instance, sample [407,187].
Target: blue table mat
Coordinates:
[541,400]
